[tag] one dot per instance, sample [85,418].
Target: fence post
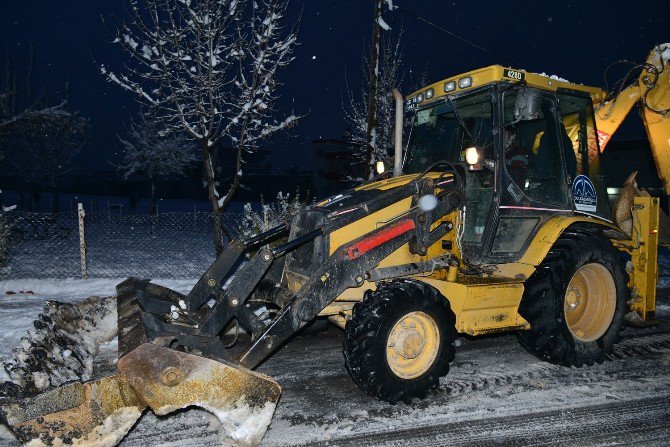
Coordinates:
[82,240]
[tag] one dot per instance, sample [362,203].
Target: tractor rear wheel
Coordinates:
[575,301]
[399,341]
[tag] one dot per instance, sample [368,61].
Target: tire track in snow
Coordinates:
[499,375]
[609,424]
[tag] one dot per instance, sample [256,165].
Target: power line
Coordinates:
[454,35]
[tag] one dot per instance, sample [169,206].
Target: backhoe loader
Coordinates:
[495,219]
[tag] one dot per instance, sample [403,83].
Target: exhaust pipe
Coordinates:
[397,158]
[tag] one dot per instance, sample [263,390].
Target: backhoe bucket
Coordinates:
[101,412]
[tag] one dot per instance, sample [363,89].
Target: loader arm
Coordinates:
[171,347]
[651,92]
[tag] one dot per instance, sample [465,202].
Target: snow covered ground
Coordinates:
[495,393]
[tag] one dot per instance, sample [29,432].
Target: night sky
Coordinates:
[575,39]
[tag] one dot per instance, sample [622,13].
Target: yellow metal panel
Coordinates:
[540,246]
[367,224]
[610,114]
[394,182]
[483,308]
[551,231]
[644,256]
[658,132]
[656,104]
[495,73]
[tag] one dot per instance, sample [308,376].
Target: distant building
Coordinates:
[334,166]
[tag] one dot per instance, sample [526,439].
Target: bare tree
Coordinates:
[38,138]
[150,153]
[209,68]
[44,145]
[391,75]
[14,109]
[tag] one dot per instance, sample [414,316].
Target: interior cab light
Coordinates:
[465,82]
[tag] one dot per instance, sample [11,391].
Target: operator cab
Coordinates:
[526,149]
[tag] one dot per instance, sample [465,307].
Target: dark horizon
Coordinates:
[333,37]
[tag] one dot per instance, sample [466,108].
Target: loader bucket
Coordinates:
[100,413]
[97,413]
[167,380]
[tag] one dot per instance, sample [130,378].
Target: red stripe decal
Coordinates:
[364,245]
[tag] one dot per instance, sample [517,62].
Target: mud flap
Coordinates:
[100,413]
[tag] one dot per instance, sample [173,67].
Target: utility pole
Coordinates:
[372,91]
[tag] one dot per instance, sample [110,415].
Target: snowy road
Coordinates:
[495,394]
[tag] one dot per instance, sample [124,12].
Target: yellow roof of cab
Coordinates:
[496,73]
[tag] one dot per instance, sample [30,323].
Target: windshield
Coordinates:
[437,134]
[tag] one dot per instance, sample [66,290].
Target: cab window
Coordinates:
[578,120]
[534,162]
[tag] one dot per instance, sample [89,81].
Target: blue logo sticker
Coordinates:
[584,194]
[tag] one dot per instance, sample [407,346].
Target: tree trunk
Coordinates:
[154,204]
[217,209]
[371,137]
[236,180]
[213,199]
[55,202]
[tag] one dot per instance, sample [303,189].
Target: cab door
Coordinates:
[589,193]
[534,172]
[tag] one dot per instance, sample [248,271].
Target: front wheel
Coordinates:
[575,301]
[399,341]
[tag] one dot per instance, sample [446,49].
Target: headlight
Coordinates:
[419,97]
[472,156]
[465,82]
[450,86]
[429,93]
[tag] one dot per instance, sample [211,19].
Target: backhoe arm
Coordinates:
[652,93]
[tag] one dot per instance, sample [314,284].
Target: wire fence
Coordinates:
[166,245]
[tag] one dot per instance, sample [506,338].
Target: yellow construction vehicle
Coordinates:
[495,219]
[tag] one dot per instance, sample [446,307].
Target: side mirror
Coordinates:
[527,104]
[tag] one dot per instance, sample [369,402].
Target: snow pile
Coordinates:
[61,347]
[664,49]
[242,424]
[554,77]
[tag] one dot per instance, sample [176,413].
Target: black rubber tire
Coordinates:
[542,305]
[367,332]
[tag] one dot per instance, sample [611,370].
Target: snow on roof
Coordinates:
[554,77]
[664,49]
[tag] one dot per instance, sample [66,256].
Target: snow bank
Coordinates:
[61,346]
[57,341]
[76,289]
